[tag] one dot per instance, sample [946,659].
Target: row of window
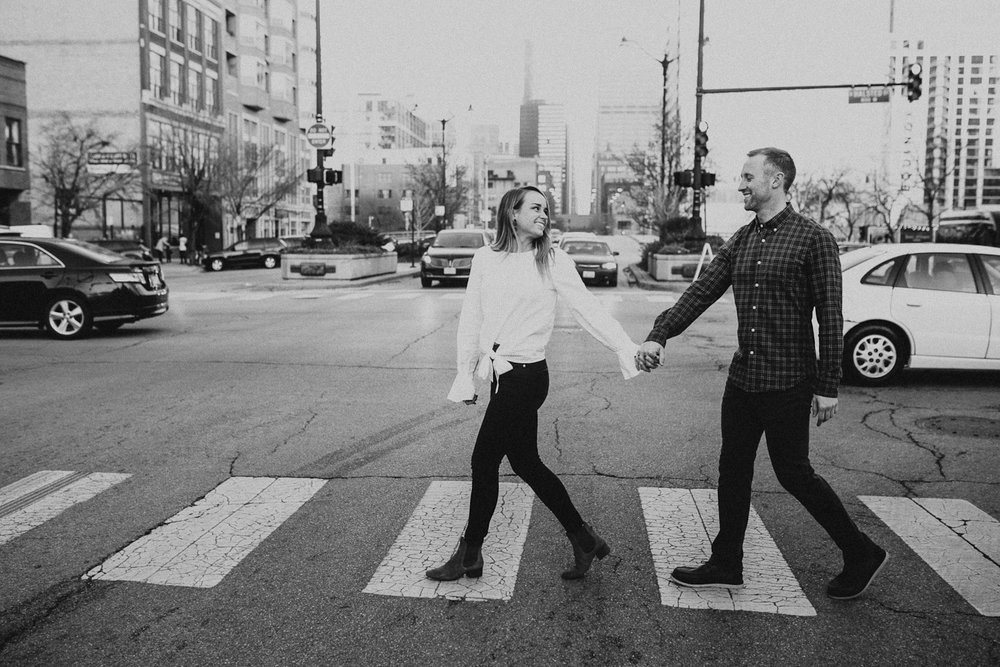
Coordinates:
[183,85]
[185,24]
[13,143]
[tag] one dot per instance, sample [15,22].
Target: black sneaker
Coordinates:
[858,573]
[709,575]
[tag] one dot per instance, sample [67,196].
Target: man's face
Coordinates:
[759,184]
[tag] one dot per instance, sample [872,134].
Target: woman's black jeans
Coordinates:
[783,417]
[510,428]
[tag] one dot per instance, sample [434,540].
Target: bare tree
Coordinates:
[60,167]
[878,200]
[820,196]
[650,201]
[428,184]
[252,179]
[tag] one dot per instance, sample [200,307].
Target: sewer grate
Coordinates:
[970,427]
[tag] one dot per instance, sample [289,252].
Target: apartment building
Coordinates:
[14,175]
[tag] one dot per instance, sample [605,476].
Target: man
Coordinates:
[781,266]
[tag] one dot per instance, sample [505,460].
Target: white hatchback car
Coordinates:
[920,305]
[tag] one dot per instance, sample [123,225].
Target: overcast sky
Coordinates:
[452,54]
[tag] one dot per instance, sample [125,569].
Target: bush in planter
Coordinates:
[346,238]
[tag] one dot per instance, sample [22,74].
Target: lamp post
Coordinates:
[320,231]
[664,64]
[443,206]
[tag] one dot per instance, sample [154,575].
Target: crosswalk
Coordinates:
[202,543]
[349,295]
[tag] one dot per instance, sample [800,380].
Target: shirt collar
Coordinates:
[775,222]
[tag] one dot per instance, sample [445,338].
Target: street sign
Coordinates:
[405,205]
[439,211]
[319,136]
[111,162]
[865,94]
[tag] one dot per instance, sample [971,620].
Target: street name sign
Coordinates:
[111,162]
[866,94]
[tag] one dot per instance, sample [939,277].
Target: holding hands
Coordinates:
[649,356]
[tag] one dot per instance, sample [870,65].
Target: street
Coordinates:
[259,472]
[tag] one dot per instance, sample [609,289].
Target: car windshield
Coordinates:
[471,240]
[586,248]
[95,252]
[855,257]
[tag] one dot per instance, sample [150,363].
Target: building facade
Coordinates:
[543,136]
[15,179]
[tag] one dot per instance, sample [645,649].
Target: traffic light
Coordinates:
[314,175]
[326,152]
[684,179]
[913,82]
[333,176]
[707,179]
[701,143]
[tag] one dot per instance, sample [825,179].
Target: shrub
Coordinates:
[345,238]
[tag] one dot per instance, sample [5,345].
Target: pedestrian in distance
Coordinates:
[781,266]
[162,246]
[182,248]
[507,319]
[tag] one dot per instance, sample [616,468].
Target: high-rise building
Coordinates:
[165,77]
[385,123]
[941,146]
[543,136]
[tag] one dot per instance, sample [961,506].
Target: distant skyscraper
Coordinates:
[543,136]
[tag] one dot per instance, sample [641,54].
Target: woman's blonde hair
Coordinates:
[506,240]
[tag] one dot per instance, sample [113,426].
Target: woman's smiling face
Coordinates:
[532,219]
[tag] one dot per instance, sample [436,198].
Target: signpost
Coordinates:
[319,136]
[406,206]
[111,162]
[870,93]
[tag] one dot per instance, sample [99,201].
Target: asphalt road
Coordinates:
[344,389]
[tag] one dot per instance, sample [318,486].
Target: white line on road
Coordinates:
[680,524]
[355,296]
[32,501]
[201,544]
[431,535]
[957,539]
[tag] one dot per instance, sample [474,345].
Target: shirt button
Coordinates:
[753,331]
[754,308]
[756,284]
[758,262]
[751,352]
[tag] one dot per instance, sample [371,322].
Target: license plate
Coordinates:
[589,274]
[449,271]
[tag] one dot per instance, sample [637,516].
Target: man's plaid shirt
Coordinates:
[779,271]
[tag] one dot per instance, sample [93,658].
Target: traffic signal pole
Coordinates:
[697,191]
[320,230]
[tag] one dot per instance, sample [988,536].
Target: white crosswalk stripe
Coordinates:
[32,501]
[430,536]
[953,536]
[681,523]
[201,544]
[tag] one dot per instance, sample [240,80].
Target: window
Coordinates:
[195,82]
[211,98]
[211,39]
[883,274]
[156,74]
[176,76]
[12,140]
[176,28]
[992,266]
[947,272]
[156,15]
[230,23]
[231,65]
[194,29]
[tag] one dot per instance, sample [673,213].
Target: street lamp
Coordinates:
[664,64]
[442,207]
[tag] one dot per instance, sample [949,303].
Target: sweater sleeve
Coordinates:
[469,325]
[591,314]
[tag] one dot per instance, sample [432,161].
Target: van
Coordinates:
[975,226]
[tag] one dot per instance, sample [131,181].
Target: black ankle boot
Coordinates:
[583,558]
[467,560]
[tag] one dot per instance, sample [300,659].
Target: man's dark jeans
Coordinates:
[783,417]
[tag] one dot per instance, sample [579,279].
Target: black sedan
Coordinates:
[594,260]
[449,258]
[67,287]
[246,254]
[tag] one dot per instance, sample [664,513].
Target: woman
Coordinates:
[506,322]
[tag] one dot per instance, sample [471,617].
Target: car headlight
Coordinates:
[131,277]
[609,265]
[426,259]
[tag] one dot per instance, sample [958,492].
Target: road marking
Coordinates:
[354,297]
[196,296]
[255,296]
[32,501]
[680,524]
[429,538]
[201,544]
[957,539]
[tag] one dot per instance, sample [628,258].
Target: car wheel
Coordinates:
[68,317]
[425,281]
[874,355]
[216,265]
[270,262]
[613,281]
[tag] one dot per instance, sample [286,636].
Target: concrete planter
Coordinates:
[673,267]
[309,266]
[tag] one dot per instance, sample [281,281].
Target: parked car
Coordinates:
[245,254]
[555,234]
[67,287]
[847,246]
[575,236]
[449,257]
[595,262]
[920,305]
[133,249]
[973,226]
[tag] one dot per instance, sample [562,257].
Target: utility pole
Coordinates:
[696,194]
[444,181]
[320,230]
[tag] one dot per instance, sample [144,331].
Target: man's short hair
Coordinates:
[780,161]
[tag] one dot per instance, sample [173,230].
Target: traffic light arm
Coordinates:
[715,91]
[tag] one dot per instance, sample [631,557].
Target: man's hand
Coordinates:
[649,356]
[823,408]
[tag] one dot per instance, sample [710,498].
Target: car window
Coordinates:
[881,274]
[948,272]
[992,264]
[459,241]
[584,248]
[19,256]
[240,245]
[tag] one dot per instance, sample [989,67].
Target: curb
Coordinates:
[641,278]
